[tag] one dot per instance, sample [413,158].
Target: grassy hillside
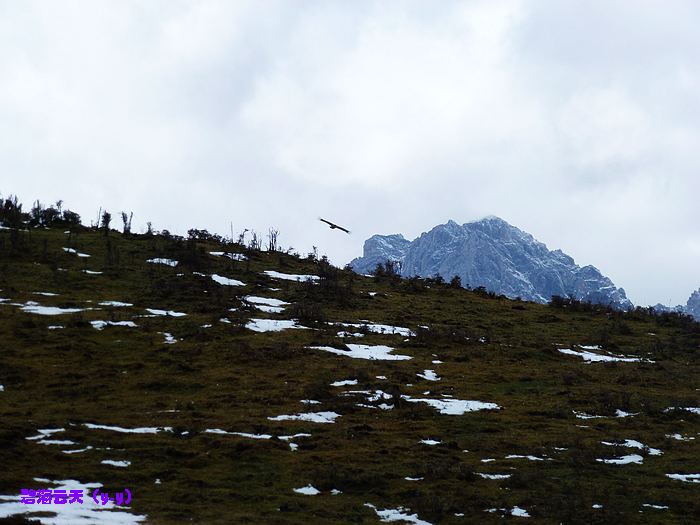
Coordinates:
[221,375]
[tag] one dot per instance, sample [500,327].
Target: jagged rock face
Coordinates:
[693,305]
[379,249]
[493,254]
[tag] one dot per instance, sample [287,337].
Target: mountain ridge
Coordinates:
[492,253]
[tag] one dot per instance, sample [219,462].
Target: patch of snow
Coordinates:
[680,437]
[350,334]
[310,402]
[379,328]
[241,434]
[430,442]
[381,377]
[408,478]
[77,451]
[398,514]
[346,382]
[631,443]
[44,432]
[493,476]
[622,413]
[225,281]
[356,351]
[596,506]
[72,250]
[624,460]
[531,458]
[232,256]
[590,357]
[687,478]
[313,417]
[169,339]
[34,308]
[583,415]
[114,303]
[115,463]
[171,313]
[90,272]
[272,325]
[651,506]
[140,430]
[100,325]
[160,260]
[518,512]
[291,277]
[309,490]
[46,294]
[429,375]
[436,362]
[56,327]
[453,407]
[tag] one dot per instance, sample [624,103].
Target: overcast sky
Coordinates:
[577,121]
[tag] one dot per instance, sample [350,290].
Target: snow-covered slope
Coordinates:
[493,254]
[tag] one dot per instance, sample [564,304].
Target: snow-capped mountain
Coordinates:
[692,307]
[493,254]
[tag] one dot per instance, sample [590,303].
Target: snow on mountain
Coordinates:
[493,254]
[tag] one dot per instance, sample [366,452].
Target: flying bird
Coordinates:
[333,226]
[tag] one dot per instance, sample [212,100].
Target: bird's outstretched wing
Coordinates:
[333,226]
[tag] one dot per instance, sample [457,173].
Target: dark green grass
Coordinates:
[231,378]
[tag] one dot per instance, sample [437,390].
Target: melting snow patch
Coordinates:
[398,514]
[350,334]
[34,308]
[454,407]
[114,303]
[226,281]
[86,513]
[155,311]
[651,506]
[71,250]
[115,463]
[531,458]
[493,476]
[518,512]
[241,434]
[356,351]
[624,460]
[631,443]
[232,256]
[267,304]
[77,451]
[313,417]
[91,272]
[583,415]
[346,382]
[680,437]
[55,327]
[169,339]
[271,325]
[379,328]
[590,357]
[429,375]
[46,294]
[622,413]
[430,442]
[309,490]
[45,432]
[291,277]
[160,260]
[408,478]
[688,478]
[693,410]
[100,325]
[141,430]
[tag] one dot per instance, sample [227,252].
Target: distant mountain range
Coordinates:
[496,255]
[692,307]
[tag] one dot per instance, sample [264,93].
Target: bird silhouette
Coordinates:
[333,226]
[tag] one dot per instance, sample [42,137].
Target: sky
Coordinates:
[576,121]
